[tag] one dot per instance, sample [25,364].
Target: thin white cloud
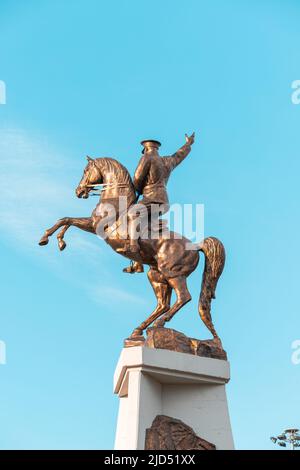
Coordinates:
[110,294]
[31,191]
[34,194]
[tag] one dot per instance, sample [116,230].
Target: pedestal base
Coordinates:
[151,382]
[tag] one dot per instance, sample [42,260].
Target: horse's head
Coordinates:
[91,176]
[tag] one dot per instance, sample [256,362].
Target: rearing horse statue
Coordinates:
[169,260]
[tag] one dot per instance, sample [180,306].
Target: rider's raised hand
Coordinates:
[190,140]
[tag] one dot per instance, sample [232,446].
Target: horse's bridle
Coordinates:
[104,186]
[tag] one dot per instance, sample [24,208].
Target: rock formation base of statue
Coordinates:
[172,394]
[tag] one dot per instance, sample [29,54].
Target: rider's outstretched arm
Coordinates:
[181,154]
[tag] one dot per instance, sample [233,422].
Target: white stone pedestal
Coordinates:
[158,381]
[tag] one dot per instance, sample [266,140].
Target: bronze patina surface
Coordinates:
[167,338]
[170,263]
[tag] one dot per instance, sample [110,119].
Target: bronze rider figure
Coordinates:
[150,182]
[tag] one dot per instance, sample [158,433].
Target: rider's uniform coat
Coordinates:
[152,174]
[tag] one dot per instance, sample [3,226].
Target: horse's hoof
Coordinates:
[159,324]
[61,245]
[44,241]
[136,332]
[135,339]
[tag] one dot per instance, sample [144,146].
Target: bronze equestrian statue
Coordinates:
[167,255]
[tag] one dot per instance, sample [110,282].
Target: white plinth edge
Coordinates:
[158,381]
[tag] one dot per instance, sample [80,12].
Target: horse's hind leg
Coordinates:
[183,297]
[163,292]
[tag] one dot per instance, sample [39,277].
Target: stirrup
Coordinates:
[133,269]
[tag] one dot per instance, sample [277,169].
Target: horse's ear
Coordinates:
[89,159]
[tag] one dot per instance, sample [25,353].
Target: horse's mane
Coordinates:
[111,165]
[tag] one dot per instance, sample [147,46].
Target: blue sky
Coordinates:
[94,77]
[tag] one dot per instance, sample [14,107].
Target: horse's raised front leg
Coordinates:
[60,237]
[84,223]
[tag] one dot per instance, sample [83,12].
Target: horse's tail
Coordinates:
[214,253]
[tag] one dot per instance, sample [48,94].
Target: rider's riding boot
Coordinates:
[135,267]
